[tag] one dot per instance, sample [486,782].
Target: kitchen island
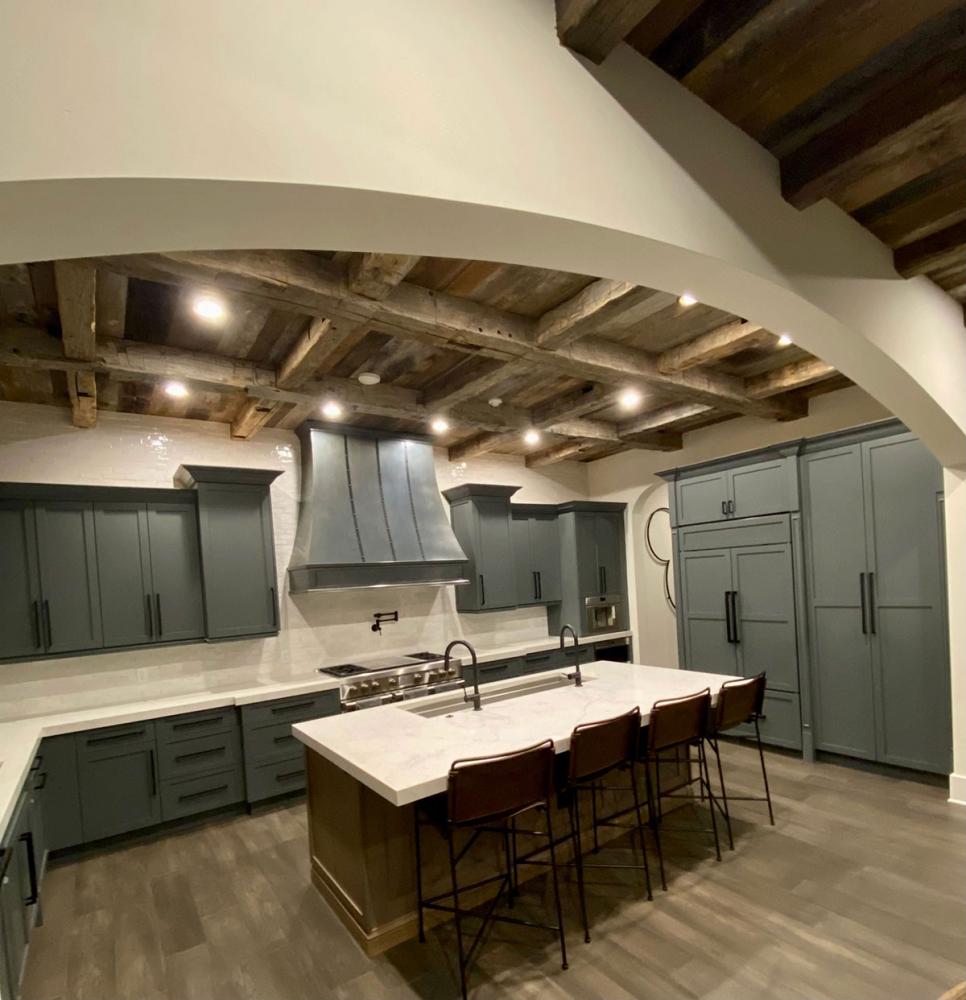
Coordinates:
[366,769]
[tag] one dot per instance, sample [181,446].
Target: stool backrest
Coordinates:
[738,702]
[482,789]
[596,747]
[674,721]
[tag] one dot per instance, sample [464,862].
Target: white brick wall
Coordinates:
[38,444]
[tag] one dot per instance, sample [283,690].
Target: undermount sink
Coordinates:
[455,703]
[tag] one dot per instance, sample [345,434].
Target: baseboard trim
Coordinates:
[957,789]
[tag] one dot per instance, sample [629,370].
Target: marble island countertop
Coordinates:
[403,752]
[20,738]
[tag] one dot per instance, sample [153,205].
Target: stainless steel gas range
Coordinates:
[379,680]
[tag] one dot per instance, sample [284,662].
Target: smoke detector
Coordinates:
[495,402]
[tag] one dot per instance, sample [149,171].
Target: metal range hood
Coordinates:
[370,513]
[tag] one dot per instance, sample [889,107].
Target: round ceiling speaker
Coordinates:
[369,378]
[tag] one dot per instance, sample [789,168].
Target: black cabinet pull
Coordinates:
[27,839]
[150,615]
[482,590]
[205,791]
[157,609]
[287,738]
[195,723]
[533,575]
[734,617]
[872,603]
[154,773]
[293,706]
[41,782]
[50,631]
[300,773]
[38,639]
[724,508]
[729,634]
[865,627]
[731,506]
[126,735]
[539,586]
[195,754]
[271,591]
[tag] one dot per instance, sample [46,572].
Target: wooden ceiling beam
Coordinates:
[76,299]
[934,252]
[594,28]
[471,379]
[716,345]
[662,417]
[601,301]
[559,453]
[480,444]
[297,281]
[110,296]
[375,275]
[574,404]
[792,376]
[17,294]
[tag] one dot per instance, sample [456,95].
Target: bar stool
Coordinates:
[739,703]
[597,750]
[677,724]
[484,795]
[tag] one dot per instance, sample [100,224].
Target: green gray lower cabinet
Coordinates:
[501,670]
[274,758]
[61,792]
[16,892]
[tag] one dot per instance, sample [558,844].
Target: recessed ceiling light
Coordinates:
[495,402]
[439,425]
[176,389]
[332,410]
[370,378]
[629,399]
[784,340]
[686,300]
[209,308]
[532,436]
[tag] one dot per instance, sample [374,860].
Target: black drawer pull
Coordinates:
[194,755]
[198,795]
[93,741]
[300,773]
[287,738]
[294,707]
[195,723]
[41,782]
[538,659]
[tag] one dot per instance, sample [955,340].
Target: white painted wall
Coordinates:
[631,477]
[38,444]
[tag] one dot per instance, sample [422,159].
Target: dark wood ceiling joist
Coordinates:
[595,27]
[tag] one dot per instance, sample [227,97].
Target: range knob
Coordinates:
[417,678]
[353,689]
[364,686]
[393,682]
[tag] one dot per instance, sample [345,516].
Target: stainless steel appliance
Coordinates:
[379,680]
[602,612]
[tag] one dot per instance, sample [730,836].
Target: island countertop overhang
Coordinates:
[404,756]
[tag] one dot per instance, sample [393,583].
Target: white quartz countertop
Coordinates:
[20,739]
[404,756]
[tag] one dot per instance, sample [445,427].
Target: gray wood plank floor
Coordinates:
[858,892]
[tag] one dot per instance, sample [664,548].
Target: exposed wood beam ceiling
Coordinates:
[573,358]
[594,27]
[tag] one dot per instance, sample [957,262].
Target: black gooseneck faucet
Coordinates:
[477,705]
[578,680]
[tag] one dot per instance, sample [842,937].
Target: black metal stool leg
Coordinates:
[653,818]
[764,773]
[706,779]
[556,890]
[593,814]
[574,811]
[511,890]
[640,830]
[456,915]
[724,793]
[419,875]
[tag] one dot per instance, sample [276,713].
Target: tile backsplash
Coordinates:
[38,444]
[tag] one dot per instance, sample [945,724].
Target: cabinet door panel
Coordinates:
[61,803]
[912,672]
[701,498]
[239,562]
[119,791]
[545,547]
[609,529]
[68,573]
[524,564]
[176,571]
[498,587]
[20,633]
[763,488]
[765,608]
[123,572]
[705,577]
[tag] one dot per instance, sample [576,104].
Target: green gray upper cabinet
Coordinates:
[536,553]
[149,571]
[738,487]
[237,549]
[20,623]
[877,621]
[71,610]
[481,522]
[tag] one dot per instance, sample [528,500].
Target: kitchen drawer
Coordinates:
[297,709]
[275,742]
[188,796]
[268,780]
[500,671]
[130,736]
[535,663]
[184,727]
[781,721]
[199,755]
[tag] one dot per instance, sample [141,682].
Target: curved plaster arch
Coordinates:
[449,128]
